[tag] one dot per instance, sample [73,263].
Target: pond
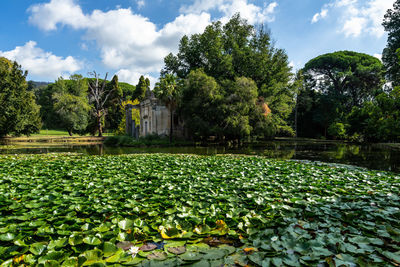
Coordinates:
[372,156]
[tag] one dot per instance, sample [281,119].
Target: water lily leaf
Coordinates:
[125,224]
[215,253]
[109,249]
[7,237]
[70,262]
[148,247]
[38,248]
[92,255]
[92,240]
[52,255]
[157,255]
[190,256]
[74,240]
[202,263]
[393,256]
[177,250]
[60,243]
[125,245]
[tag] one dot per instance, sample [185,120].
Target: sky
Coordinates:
[54,38]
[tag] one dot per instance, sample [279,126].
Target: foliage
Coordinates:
[70,103]
[113,104]
[238,50]
[337,130]
[201,96]
[121,130]
[85,210]
[19,114]
[142,87]
[390,58]
[378,120]
[334,83]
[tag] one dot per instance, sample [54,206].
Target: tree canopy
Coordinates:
[390,58]
[231,59]
[70,103]
[334,84]
[19,113]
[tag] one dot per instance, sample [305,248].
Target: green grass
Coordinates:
[51,133]
[204,210]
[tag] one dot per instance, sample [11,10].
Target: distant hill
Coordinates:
[32,85]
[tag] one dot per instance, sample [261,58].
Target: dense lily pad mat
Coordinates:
[165,210]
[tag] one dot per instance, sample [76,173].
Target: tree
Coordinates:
[113,104]
[141,88]
[238,105]
[349,76]
[99,96]
[339,81]
[168,91]
[19,114]
[237,50]
[71,103]
[201,100]
[390,59]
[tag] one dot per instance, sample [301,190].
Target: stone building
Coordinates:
[154,117]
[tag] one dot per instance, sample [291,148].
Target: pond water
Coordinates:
[372,156]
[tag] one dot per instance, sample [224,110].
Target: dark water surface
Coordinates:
[373,156]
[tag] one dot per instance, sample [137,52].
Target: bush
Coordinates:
[337,130]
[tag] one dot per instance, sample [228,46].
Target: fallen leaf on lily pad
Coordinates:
[148,247]
[177,250]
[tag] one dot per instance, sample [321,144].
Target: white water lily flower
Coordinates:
[134,250]
[274,238]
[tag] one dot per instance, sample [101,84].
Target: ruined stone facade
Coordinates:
[154,117]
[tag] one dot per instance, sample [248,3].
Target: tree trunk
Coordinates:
[171,125]
[99,127]
[70,132]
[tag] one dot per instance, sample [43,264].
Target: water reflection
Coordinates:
[381,157]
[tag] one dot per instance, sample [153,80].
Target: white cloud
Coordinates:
[378,56]
[127,41]
[253,13]
[132,77]
[355,17]
[40,64]
[64,12]
[140,4]
[320,15]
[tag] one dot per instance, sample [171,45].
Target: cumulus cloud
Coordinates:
[65,12]
[127,42]
[320,15]
[357,17]
[140,3]
[40,64]
[249,11]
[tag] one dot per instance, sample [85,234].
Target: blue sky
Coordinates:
[52,38]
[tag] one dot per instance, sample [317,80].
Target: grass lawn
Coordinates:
[171,210]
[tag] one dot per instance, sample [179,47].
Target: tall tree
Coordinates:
[141,88]
[99,97]
[390,58]
[339,81]
[236,50]
[168,91]
[201,98]
[71,103]
[114,113]
[19,114]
